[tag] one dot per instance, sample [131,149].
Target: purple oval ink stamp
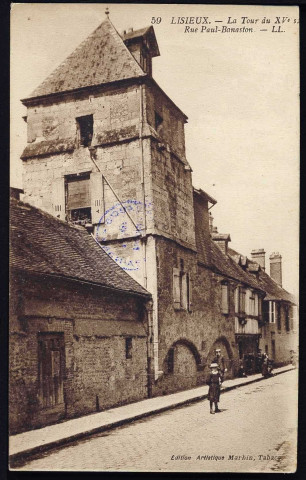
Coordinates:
[124,221]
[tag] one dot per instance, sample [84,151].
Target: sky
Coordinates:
[239,90]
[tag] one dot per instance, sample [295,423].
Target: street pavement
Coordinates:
[254,432]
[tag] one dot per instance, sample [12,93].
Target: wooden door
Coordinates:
[50,368]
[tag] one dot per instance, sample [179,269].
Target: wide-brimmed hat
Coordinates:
[214,365]
[218,350]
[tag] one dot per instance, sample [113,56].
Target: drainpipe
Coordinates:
[144,243]
[150,353]
[143,185]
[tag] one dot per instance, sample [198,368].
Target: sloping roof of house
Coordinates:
[227,266]
[272,289]
[42,244]
[101,58]
[212,256]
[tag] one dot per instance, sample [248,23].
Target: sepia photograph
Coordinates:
[154,238]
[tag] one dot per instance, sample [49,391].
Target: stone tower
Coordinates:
[106,150]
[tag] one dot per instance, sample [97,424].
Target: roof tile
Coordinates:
[100,58]
[40,243]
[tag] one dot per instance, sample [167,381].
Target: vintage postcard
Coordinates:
[154,238]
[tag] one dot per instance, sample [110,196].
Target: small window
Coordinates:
[252,305]
[225,298]
[128,347]
[158,122]
[85,130]
[182,288]
[272,312]
[78,203]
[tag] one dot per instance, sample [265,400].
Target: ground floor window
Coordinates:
[50,369]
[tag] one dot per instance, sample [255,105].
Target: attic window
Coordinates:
[158,121]
[85,130]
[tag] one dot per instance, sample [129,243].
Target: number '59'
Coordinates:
[156,20]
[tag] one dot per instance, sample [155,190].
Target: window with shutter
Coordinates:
[78,198]
[272,312]
[184,291]
[252,305]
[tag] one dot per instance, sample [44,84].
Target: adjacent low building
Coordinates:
[79,324]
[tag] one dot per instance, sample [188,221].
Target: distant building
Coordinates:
[279,324]
[79,325]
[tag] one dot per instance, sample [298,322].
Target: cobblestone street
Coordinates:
[255,431]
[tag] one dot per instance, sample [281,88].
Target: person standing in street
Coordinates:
[219,359]
[214,381]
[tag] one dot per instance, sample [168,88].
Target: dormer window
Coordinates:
[85,130]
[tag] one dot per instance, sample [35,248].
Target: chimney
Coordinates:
[276,267]
[221,239]
[16,192]
[143,46]
[259,256]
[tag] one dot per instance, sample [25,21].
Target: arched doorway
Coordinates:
[181,367]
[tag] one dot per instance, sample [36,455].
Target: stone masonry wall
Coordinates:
[97,373]
[172,197]
[171,130]
[199,330]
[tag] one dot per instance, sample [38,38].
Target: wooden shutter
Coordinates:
[176,288]
[189,294]
[184,290]
[58,198]
[224,297]
[96,195]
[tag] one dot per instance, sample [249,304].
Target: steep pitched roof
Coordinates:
[272,289]
[227,266]
[42,244]
[101,58]
[212,256]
